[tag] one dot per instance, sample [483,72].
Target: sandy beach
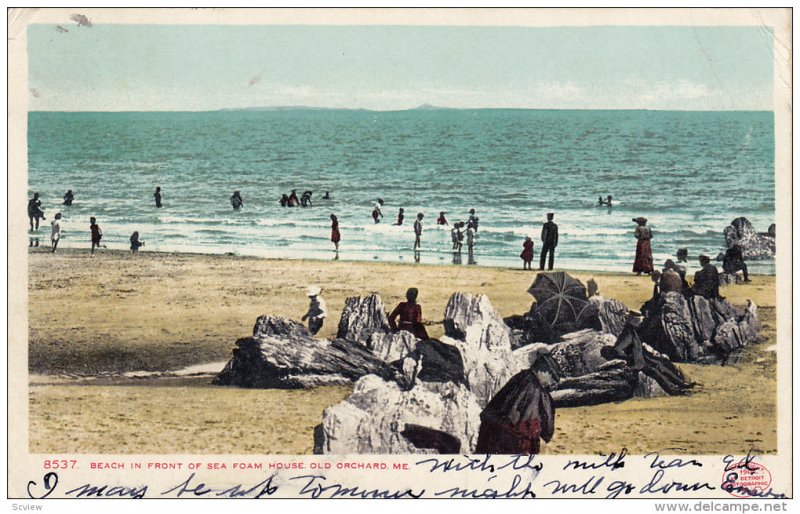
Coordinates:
[94,320]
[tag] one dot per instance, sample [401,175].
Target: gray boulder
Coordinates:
[435,361]
[392,346]
[375,417]
[754,245]
[285,356]
[615,382]
[364,321]
[698,329]
[612,315]
[579,354]
[474,327]
[277,326]
[646,387]
[590,379]
[738,332]
[362,317]
[581,375]
[476,313]
[669,329]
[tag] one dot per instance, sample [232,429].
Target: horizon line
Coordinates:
[425,108]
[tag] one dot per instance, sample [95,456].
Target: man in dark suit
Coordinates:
[549,242]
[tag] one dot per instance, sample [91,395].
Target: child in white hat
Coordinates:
[316,310]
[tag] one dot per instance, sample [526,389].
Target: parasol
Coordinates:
[561,302]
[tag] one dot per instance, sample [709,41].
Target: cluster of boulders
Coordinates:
[283,355]
[489,385]
[697,329]
[437,402]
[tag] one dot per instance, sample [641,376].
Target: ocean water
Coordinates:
[689,173]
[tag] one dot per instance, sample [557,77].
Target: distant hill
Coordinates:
[423,107]
[290,108]
[429,107]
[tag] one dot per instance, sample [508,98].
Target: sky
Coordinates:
[208,67]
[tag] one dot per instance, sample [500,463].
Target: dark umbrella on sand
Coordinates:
[561,302]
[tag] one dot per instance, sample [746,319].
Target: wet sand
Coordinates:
[93,320]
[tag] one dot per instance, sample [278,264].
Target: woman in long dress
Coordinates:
[644,255]
[335,236]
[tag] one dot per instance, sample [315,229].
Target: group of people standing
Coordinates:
[457,233]
[672,278]
[733,260]
[35,213]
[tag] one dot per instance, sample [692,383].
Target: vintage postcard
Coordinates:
[400,253]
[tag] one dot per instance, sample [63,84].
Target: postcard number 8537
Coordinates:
[60,464]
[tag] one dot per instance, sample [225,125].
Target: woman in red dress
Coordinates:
[644,255]
[527,253]
[335,236]
[410,313]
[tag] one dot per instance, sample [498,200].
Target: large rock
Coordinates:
[362,317]
[612,315]
[738,332]
[646,387]
[579,354]
[614,382]
[754,245]
[435,361]
[581,375]
[474,327]
[364,320]
[392,346]
[284,355]
[375,417]
[277,326]
[668,328]
[697,329]
[467,312]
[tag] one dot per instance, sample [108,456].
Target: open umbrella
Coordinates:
[561,302]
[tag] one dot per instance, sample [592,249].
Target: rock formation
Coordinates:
[435,361]
[364,321]
[282,354]
[588,378]
[393,346]
[484,341]
[578,373]
[698,329]
[361,317]
[374,418]
[611,315]
[755,245]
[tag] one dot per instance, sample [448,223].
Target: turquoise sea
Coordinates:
[689,173]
